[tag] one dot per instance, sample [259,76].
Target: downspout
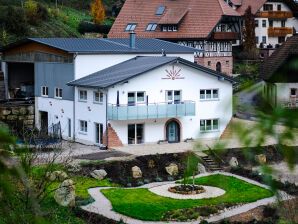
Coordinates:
[74,99]
[107,133]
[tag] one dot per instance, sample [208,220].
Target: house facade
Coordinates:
[208,25]
[170,99]
[280,75]
[275,20]
[37,70]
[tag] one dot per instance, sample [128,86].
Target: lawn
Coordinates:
[143,204]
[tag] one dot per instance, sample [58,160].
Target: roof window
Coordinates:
[130,27]
[160,10]
[151,27]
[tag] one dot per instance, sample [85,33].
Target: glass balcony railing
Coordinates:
[151,111]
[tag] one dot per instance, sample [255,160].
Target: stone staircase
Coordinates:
[210,164]
[228,132]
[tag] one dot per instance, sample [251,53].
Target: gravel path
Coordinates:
[103,206]
[210,192]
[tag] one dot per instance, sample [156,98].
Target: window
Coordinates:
[82,95]
[256,23]
[281,39]
[227,62]
[270,23]
[151,27]
[283,23]
[135,133]
[209,125]
[160,10]
[268,7]
[278,7]
[135,97]
[257,40]
[208,94]
[83,126]
[173,96]
[130,27]
[170,28]
[97,97]
[263,23]
[264,39]
[98,133]
[293,92]
[209,63]
[58,93]
[44,91]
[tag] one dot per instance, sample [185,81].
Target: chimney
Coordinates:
[132,40]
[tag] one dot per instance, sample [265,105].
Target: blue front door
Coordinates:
[173,132]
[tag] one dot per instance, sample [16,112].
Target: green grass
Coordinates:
[143,204]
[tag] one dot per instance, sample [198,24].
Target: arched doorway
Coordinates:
[218,67]
[173,131]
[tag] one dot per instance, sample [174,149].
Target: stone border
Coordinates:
[103,206]
[210,192]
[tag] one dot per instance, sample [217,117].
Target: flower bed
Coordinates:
[187,189]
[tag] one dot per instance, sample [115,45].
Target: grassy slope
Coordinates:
[143,204]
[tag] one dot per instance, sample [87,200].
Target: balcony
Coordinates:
[226,36]
[151,111]
[275,14]
[279,31]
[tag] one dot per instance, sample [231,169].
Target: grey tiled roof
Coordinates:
[104,45]
[136,66]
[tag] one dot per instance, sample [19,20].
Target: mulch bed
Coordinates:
[92,218]
[102,155]
[152,167]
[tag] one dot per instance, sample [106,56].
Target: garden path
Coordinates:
[103,206]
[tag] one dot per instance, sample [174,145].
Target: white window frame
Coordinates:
[100,97]
[84,128]
[136,97]
[212,129]
[79,96]
[55,93]
[173,96]
[46,91]
[205,95]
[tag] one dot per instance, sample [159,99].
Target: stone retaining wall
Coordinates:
[17,114]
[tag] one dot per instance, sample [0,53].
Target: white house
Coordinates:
[39,68]
[150,99]
[280,75]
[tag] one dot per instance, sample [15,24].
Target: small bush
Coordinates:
[255,173]
[140,183]
[158,179]
[170,178]
[87,27]
[35,12]
[14,20]
[128,185]
[146,181]
[204,222]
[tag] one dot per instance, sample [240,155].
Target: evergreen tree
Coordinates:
[248,31]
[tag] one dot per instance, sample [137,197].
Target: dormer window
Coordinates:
[130,27]
[160,10]
[151,27]
[169,28]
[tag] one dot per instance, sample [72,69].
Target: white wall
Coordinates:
[155,87]
[90,112]
[58,110]
[88,64]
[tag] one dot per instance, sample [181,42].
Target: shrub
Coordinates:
[146,181]
[87,27]
[158,179]
[14,20]
[204,222]
[128,185]
[170,178]
[140,183]
[35,12]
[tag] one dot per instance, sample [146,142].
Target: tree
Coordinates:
[249,37]
[97,12]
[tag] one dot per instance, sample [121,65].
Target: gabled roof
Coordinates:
[133,67]
[173,16]
[99,45]
[236,2]
[257,4]
[201,17]
[278,58]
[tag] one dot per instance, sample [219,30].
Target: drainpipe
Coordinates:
[74,98]
[107,133]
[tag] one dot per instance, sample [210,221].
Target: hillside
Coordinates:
[16,23]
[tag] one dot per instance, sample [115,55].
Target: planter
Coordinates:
[187,189]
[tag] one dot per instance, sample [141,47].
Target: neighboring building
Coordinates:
[40,68]
[276,20]
[152,99]
[209,25]
[280,74]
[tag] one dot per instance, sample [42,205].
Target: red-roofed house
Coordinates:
[210,25]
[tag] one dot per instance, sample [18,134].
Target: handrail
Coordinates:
[145,104]
[215,155]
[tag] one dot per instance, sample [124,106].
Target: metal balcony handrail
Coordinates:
[146,104]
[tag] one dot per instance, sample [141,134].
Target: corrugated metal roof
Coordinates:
[134,67]
[97,45]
